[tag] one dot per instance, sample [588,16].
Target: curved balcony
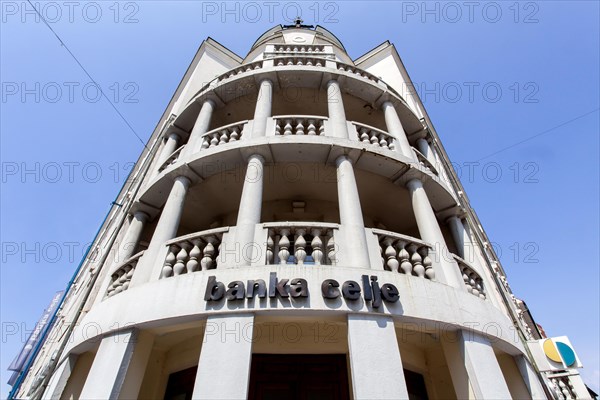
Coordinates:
[299,243]
[121,278]
[298,68]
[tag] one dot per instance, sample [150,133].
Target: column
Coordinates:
[262,112]
[446,270]
[125,249]
[335,109]
[394,127]
[150,265]
[356,252]
[531,378]
[481,365]
[170,146]
[111,365]
[224,364]
[425,149]
[375,363]
[59,378]
[249,211]
[200,127]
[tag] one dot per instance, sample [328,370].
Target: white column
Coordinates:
[425,149]
[351,219]
[335,109]
[149,267]
[531,378]
[200,127]
[375,363]
[125,249]
[110,366]
[262,112]
[224,364]
[170,146]
[446,270]
[59,378]
[394,127]
[132,235]
[481,366]
[249,211]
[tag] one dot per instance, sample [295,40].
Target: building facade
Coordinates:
[293,229]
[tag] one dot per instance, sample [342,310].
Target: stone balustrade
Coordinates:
[299,125]
[194,252]
[373,136]
[405,254]
[171,160]
[472,280]
[286,48]
[240,70]
[425,163]
[223,135]
[299,60]
[121,278]
[356,71]
[300,243]
[562,387]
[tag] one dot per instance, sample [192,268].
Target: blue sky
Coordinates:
[491,75]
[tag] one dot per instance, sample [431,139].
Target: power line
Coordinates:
[540,134]
[89,76]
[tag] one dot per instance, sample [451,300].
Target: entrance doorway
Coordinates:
[299,377]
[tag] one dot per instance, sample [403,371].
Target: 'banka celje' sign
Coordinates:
[369,289]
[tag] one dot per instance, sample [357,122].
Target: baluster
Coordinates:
[466,279]
[317,246]
[128,275]
[169,262]
[427,263]
[193,264]
[473,284]
[284,244]
[280,62]
[179,267]
[319,63]
[235,134]
[224,138]
[214,139]
[374,138]
[364,135]
[309,61]
[270,244]
[383,140]
[118,284]
[278,127]
[415,259]
[312,129]
[287,129]
[300,246]
[391,262]
[331,249]
[205,142]
[290,61]
[391,144]
[321,128]
[208,255]
[299,127]
[404,257]
[299,61]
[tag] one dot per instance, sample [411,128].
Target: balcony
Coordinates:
[296,243]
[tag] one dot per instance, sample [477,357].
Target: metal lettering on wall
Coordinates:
[370,290]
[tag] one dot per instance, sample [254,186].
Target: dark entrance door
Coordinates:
[298,377]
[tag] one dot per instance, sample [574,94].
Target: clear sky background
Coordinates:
[491,74]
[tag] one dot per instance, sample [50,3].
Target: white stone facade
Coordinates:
[294,163]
